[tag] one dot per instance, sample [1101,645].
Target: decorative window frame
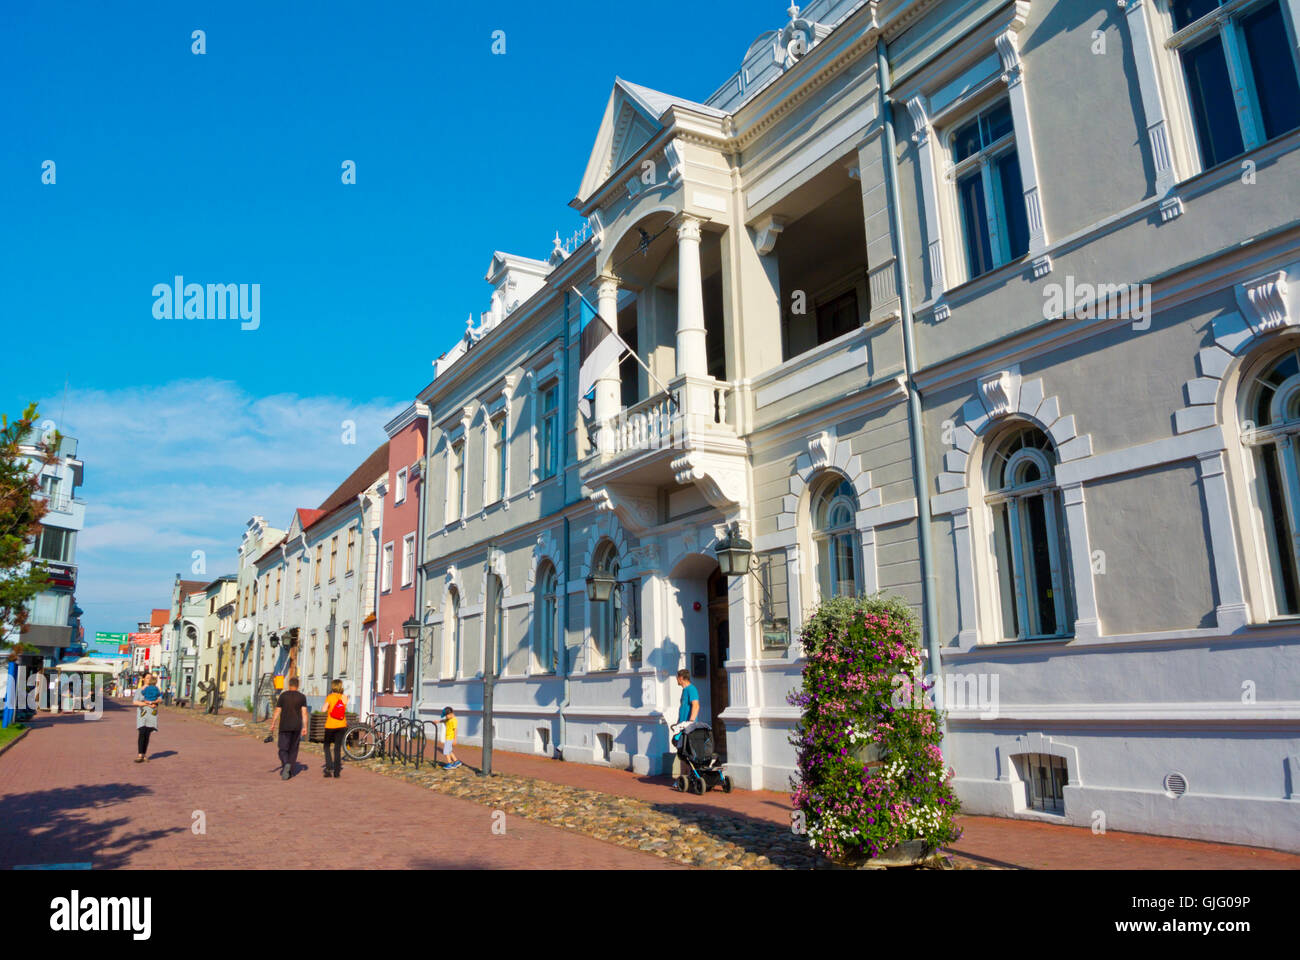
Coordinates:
[408,575]
[546,551]
[454,433]
[439,617]
[1164,89]
[982,67]
[1002,395]
[400,483]
[384,572]
[826,452]
[1007,747]
[605,528]
[540,380]
[1267,317]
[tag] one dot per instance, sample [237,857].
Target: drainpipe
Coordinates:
[417,681]
[563,638]
[920,475]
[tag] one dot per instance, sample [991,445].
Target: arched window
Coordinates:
[835,540]
[607,616]
[545,609]
[1272,412]
[451,635]
[1029,537]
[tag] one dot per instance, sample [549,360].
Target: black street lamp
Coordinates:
[600,584]
[734,553]
[411,628]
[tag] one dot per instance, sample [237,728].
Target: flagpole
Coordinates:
[649,373]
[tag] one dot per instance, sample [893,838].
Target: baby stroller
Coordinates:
[702,768]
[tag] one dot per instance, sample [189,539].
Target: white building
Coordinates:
[907,330]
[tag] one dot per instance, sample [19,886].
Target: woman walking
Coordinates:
[146,716]
[336,724]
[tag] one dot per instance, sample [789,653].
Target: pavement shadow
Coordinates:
[763,838]
[56,826]
[163,753]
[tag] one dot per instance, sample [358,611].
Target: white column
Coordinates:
[794,593]
[1013,75]
[692,359]
[967,629]
[608,387]
[925,155]
[1232,611]
[1087,622]
[1153,107]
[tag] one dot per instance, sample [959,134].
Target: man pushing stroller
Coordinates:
[696,767]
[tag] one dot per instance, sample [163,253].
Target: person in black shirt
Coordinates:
[291,714]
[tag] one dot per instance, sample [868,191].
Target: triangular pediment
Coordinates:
[630,121]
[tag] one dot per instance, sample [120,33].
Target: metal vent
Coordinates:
[1175,784]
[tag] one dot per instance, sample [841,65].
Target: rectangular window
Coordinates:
[990,193]
[278,572]
[837,317]
[386,580]
[389,668]
[499,453]
[399,488]
[320,557]
[408,559]
[548,449]
[297,576]
[352,543]
[1241,74]
[343,651]
[334,554]
[455,481]
[55,543]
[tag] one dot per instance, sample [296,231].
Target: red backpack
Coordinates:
[339,711]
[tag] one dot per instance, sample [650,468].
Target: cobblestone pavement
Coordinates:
[70,794]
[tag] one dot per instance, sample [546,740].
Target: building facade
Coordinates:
[399,575]
[901,326]
[315,585]
[248,641]
[188,609]
[54,619]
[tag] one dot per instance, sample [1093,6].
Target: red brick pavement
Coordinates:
[70,793]
[1000,842]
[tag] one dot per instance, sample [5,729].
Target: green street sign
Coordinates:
[110,637]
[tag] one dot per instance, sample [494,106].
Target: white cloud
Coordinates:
[178,467]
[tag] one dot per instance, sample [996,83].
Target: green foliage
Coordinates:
[871,774]
[21,511]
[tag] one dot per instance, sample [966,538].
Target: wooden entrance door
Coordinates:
[719,651]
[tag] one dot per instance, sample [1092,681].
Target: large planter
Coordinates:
[909,853]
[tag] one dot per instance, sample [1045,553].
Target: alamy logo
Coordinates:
[215,301]
[75,913]
[1099,301]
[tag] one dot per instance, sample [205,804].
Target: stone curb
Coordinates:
[26,730]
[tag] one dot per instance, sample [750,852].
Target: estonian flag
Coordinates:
[599,348]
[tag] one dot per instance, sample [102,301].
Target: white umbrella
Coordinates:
[89,665]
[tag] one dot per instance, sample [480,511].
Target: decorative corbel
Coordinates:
[1263,302]
[766,232]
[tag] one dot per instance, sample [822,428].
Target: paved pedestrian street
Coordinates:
[208,798]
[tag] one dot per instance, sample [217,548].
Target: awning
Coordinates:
[88,665]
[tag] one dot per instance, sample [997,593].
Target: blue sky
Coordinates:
[225,168]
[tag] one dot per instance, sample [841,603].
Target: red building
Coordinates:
[399,582]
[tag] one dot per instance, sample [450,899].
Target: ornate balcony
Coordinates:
[681,436]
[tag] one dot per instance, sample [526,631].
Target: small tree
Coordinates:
[21,576]
[871,774]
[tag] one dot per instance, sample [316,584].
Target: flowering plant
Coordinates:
[858,651]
